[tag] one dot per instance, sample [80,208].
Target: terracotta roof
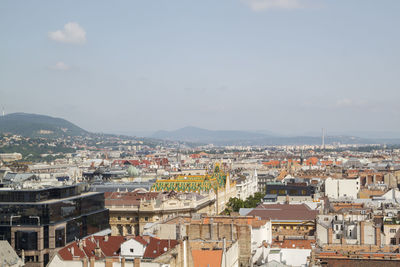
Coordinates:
[140,240]
[207,258]
[294,243]
[108,248]
[157,247]
[127,198]
[285,212]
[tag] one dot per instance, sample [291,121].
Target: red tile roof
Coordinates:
[157,247]
[293,243]
[127,198]
[108,248]
[112,247]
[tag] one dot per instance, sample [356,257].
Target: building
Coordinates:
[40,221]
[287,219]
[112,251]
[342,188]
[131,211]
[247,185]
[391,231]
[250,232]
[298,192]
[8,157]
[8,256]
[217,184]
[286,252]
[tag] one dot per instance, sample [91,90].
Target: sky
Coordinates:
[286,66]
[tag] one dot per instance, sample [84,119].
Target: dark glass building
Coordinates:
[38,222]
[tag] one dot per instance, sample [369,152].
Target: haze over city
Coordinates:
[277,65]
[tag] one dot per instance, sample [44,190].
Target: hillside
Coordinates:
[33,125]
[194,134]
[198,135]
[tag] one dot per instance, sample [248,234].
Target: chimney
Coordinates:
[362,225]
[136,262]
[72,251]
[378,235]
[106,238]
[330,234]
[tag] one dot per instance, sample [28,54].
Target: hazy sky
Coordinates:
[280,65]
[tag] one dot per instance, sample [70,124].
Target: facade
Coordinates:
[217,184]
[342,188]
[291,191]
[287,219]
[247,185]
[131,211]
[39,222]
[248,231]
[285,252]
[391,231]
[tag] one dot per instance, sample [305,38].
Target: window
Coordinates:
[128,218]
[146,218]
[131,250]
[393,230]
[119,218]
[392,241]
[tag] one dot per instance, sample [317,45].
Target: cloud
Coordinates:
[72,33]
[60,66]
[259,5]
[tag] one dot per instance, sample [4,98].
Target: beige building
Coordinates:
[131,211]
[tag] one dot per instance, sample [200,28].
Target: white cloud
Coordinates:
[259,5]
[61,66]
[72,33]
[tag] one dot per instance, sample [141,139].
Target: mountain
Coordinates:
[199,135]
[33,125]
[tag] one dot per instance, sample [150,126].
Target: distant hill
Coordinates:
[33,125]
[199,135]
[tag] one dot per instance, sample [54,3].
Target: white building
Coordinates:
[342,188]
[247,186]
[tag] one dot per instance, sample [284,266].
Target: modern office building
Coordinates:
[37,222]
